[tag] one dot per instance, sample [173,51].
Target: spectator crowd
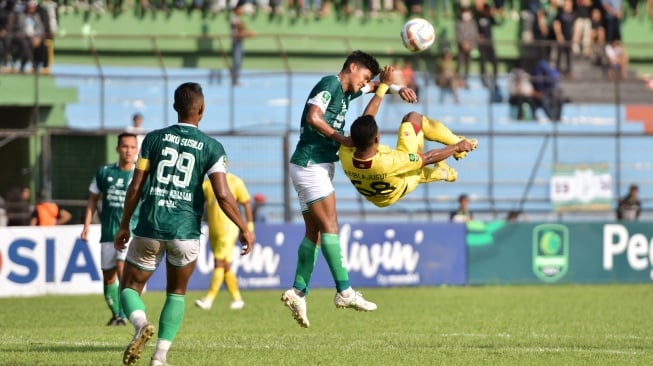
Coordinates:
[26,32]
[556,31]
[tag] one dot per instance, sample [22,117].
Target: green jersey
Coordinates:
[111,182]
[313,147]
[176,159]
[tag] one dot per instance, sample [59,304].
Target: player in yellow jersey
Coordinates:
[384,175]
[222,236]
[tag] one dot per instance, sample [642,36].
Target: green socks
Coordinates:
[171,316]
[172,313]
[306,258]
[333,255]
[131,301]
[112,297]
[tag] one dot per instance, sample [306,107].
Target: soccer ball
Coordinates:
[417,35]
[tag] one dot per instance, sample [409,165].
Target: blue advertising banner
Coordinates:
[375,254]
[38,260]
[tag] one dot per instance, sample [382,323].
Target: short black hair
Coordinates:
[363,59]
[188,98]
[363,131]
[125,134]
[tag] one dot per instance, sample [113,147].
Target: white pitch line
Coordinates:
[212,345]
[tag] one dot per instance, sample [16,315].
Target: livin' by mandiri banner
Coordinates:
[377,255]
[37,261]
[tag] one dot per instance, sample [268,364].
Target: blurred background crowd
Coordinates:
[587,28]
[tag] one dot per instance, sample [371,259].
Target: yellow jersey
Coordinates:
[382,179]
[219,223]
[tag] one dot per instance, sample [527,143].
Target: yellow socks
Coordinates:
[231,283]
[436,131]
[216,282]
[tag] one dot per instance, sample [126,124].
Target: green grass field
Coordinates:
[520,325]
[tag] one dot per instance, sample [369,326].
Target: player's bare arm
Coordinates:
[91,207]
[229,206]
[315,118]
[407,94]
[131,201]
[386,77]
[249,214]
[436,155]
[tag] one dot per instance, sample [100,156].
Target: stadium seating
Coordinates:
[262,112]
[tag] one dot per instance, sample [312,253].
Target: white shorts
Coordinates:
[146,253]
[312,183]
[109,256]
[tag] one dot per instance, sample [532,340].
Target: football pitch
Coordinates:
[489,325]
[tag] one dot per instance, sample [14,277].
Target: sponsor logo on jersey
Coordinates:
[326,97]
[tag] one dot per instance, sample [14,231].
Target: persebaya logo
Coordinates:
[550,251]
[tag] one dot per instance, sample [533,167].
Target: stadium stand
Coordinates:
[122,62]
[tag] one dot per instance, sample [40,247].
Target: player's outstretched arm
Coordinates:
[407,94]
[436,155]
[387,78]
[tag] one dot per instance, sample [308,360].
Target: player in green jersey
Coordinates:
[172,164]
[384,175]
[110,185]
[311,169]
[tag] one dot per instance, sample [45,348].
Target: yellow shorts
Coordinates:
[409,141]
[223,246]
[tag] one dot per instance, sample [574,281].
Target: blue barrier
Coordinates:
[377,255]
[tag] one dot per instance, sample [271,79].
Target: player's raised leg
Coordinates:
[410,138]
[435,130]
[439,172]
